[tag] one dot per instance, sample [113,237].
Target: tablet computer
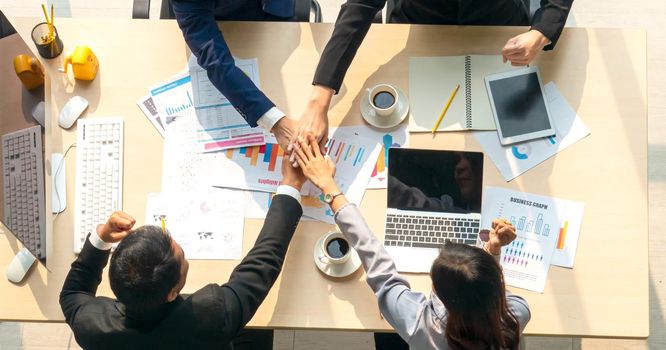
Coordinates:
[519,105]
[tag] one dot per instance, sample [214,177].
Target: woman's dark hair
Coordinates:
[469,283]
[144,268]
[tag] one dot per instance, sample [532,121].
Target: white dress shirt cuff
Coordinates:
[289,191]
[99,243]
[270,118]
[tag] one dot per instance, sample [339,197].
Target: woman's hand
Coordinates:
[317,168]
[501,234]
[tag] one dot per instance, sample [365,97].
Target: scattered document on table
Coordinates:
[207,225]
[184,169]
[173,98]
[394,138]
[516,159]
[355,157]
[257,168]
[257,204]
[221,126]
[543,224]
[147,106]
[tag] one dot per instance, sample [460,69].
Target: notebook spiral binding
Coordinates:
[468,92]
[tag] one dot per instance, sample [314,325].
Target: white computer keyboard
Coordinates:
[99,174]
[23,188]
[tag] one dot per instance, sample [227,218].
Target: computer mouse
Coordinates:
[72,111]
[20,265]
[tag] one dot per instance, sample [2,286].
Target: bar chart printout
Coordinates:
[355,157]
[540,223]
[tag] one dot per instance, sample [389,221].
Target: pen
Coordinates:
[446,108]
[163,225]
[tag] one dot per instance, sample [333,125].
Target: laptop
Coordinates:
[433,196]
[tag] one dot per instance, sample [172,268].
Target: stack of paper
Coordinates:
[547,233]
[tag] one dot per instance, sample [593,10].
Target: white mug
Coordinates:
[325,257]
[384,92]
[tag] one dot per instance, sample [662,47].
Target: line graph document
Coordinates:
[221,126]
[207,225]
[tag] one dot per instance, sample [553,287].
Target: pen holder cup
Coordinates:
[48,43]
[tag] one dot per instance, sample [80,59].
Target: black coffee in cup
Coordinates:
[337,248]
[383,100]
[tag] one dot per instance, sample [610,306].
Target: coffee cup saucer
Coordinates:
[398,115]
[336,270]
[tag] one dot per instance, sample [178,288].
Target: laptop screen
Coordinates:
[434,180]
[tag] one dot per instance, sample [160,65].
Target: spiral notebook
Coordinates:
[433,79]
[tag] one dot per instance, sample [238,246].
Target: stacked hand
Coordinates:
[317,168]
[522,49]
[501,234]
[116,228]
[314,121]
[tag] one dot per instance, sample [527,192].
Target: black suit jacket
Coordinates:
[356,16]
[208,319]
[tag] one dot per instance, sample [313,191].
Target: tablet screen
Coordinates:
[519,104]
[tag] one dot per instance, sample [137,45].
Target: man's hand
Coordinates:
[116,228]
[283,131]
[314,120]
[501,234]
[317,168]
[522,49]
[292,176]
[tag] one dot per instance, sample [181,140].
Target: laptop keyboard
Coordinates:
[427,231]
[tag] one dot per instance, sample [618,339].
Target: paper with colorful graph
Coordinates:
[355,156]
[394,138]
[547,232]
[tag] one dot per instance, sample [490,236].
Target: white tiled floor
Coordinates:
[647,14]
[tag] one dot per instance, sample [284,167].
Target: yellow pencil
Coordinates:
[52,19]
[48,23]
[46,15]
[446,108]
[163,225]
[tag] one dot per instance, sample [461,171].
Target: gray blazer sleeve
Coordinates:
[399,305]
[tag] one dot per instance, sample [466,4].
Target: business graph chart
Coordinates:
[267,157]
[174,97]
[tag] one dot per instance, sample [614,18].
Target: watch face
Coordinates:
[328,198]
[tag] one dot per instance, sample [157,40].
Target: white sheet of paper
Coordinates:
[538,221]
[355,157]
[184,169]
[514,160]
[221,126]
[207,225]
[393,138]
[257,204]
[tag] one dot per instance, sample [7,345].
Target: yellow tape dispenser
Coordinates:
[84,63]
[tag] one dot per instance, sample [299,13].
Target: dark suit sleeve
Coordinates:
[550,18]
[253,278]
[82,281]
[202,35]
[351,27]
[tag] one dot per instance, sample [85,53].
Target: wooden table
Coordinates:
[601,72]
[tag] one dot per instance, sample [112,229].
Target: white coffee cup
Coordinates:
[334,249]
[383,99]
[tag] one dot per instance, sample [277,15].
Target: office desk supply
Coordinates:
[84,63]
[519,105]
[591,67]
[99,175]
[23,192]
[29,71]
[72,111]
[513,160]
[446,108]
[432,196]
[432,78]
